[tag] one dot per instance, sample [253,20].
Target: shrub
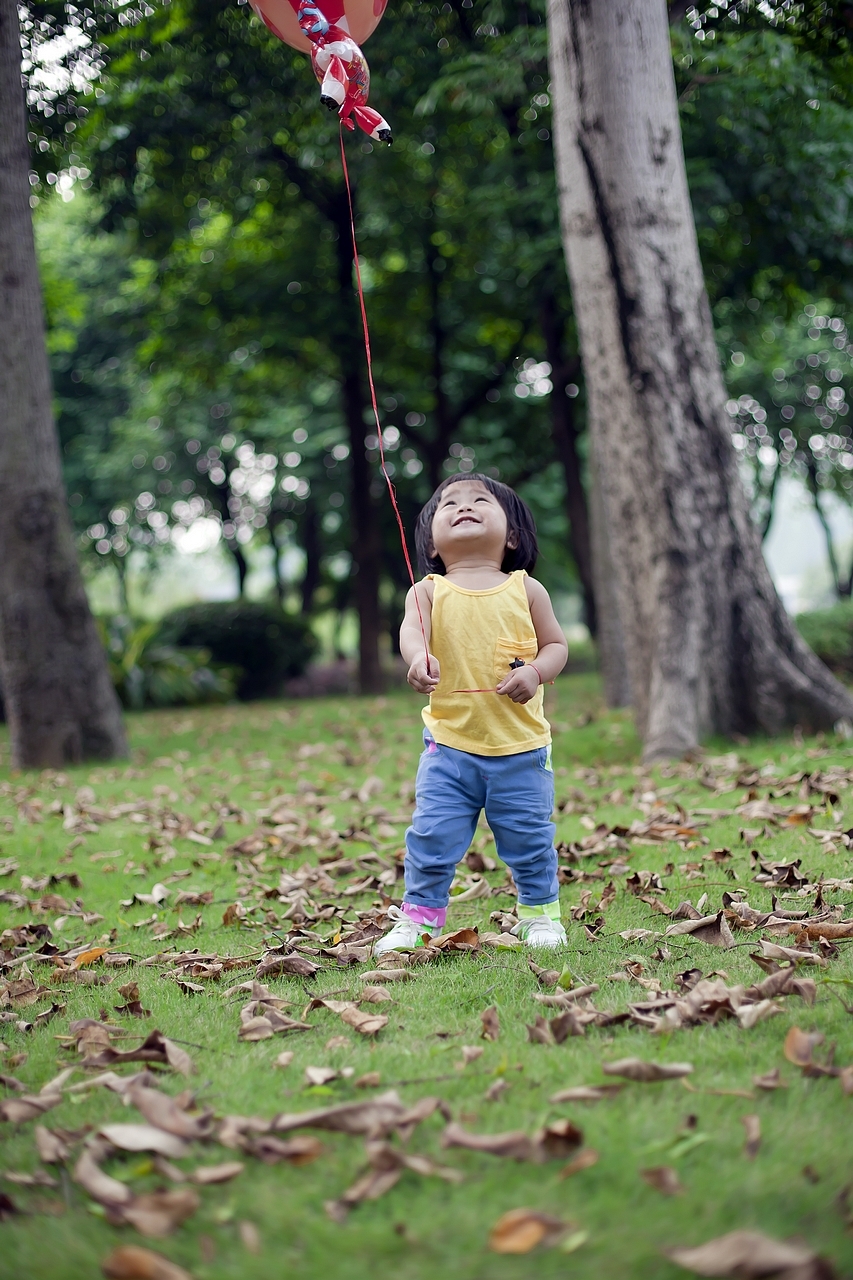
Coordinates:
[148,673]
[270,646]
[830,633]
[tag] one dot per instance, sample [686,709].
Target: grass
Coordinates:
[196,761]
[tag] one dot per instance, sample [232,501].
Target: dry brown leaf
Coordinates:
[770,1080]
[132,1262]
[207,1175]
[470,1053]
[583,1160]
[256,1029]
[380,1114]
[752,1126]
[284,1059]
[497,1089]
[166,1113]
[375,995]
[100,1186]
[294,964]
[663,1178]
[366,1024]
[52,1147]
[800,1045]
[750,1254]
[491,1024]
[459,940]
[370,1080]
[772,951]
[387,1165]
[587,1093]
[512,1146]
[522,1230]
[713,930]
[89,957]
[250,1236]
[387,975]
[144,1137]
[646,1072]
[559,1139]
[846,1079]
[159,1213]
[321,1075]
[296,1151]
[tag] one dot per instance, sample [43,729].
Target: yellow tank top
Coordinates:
[475,636]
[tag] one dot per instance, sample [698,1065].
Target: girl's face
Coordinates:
[469,522]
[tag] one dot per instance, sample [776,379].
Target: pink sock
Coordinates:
[433,917]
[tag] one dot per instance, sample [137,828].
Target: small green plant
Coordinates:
[830,633]
[148,673]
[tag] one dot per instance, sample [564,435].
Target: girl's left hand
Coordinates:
[520,685]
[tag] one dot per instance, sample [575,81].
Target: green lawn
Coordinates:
[217,765]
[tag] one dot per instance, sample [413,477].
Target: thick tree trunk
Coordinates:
[709,647]
[60,703]
[610,636]
[564,433]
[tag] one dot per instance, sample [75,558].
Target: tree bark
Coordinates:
[366,534]
[60,702]
[610,636]
[709,647]
[564,433]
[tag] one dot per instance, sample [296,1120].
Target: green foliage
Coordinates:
[147,672]
[830,633]
[268,645]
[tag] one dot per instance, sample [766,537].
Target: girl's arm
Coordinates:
[521,684]
[412,639]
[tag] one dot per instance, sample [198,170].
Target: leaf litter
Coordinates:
[322,934]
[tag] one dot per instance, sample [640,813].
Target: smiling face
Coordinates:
[469,523]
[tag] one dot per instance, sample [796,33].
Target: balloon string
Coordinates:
[367,352]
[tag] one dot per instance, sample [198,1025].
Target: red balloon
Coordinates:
[331,31]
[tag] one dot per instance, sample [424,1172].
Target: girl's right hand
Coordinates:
[419,678]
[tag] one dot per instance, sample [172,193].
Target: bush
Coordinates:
[830,633]
[148,673]
[270,646]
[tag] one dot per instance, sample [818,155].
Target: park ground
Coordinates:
[334,776]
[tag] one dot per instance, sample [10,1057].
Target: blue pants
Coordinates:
[517,793]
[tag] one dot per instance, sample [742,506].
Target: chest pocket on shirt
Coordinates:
[506,651]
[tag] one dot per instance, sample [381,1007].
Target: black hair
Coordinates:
[519,521]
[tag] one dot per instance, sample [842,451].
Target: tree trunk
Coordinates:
[366,534]
[60,703]
[610,636]
[310,530]
[709,646]
[564,433]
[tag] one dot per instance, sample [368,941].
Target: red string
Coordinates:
[384,469]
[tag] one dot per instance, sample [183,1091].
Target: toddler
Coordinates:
[493,643]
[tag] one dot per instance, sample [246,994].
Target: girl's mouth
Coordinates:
[464,520]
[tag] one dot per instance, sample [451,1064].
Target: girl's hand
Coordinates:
[520,685]
[419,678]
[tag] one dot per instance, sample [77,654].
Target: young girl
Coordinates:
[493,642]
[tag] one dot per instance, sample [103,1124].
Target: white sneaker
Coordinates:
[541,931]
[405,935]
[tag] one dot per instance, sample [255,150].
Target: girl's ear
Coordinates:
[512,540]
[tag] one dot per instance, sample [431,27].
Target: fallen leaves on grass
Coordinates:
[752,1126]
[646,1072]
[749,1254]
[523,1230]
[144,1137]
[272,1150]
[491,1024]
[208,1175]
[380,1115]
[387,1164]
[583,1160]
[769,1080]
[132,1262]
[159,1213]
[587,1093]
[663,1178]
